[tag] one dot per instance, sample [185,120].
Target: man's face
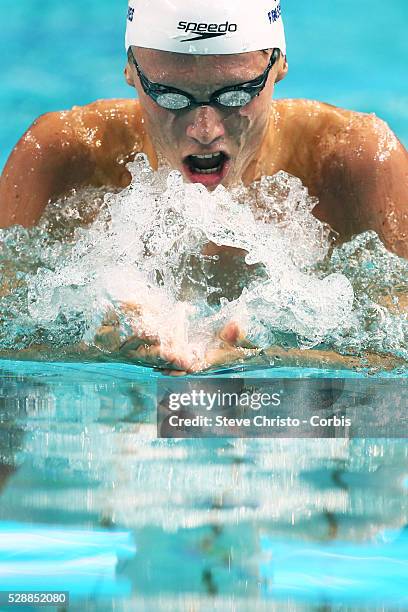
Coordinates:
[235,132]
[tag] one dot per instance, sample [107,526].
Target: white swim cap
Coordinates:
[205,26]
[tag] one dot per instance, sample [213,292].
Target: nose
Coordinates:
[205,124]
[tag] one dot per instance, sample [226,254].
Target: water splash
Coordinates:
[379,322]
[192,260]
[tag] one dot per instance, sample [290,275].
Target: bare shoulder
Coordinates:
[351,134]
[62,150]
[354,164]
[111,131]
[333,129]
[104,123]
[364,172]
[103,129]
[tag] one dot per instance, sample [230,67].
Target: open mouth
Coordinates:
[209,169]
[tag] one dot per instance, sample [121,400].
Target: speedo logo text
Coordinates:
[206,30]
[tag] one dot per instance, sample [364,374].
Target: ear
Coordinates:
[129,76]
[283,69]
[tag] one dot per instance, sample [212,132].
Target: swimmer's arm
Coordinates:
[216,359]
[365,184]
[224,355]
[235,348]
[230,347]
[65,150]
[279,357]
[329,359]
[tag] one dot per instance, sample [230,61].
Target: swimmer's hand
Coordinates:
[140,345]
[145,348]
[230,346]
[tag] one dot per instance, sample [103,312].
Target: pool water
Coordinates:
[91,502]
[96,505]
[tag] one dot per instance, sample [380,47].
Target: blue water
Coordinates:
[94,504]
[90,500]
[54,55]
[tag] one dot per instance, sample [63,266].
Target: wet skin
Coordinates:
[207,129]
[351,161]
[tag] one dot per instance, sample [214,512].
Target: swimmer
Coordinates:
[205,107]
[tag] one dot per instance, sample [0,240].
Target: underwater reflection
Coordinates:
[88,457]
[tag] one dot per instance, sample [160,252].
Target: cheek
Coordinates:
[160,123]
[258,110]
[252,120]
[260,107]
[155,115]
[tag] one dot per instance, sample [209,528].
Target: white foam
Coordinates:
[155,227]
[147,246]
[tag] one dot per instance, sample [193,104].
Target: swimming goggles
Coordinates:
[234,96]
